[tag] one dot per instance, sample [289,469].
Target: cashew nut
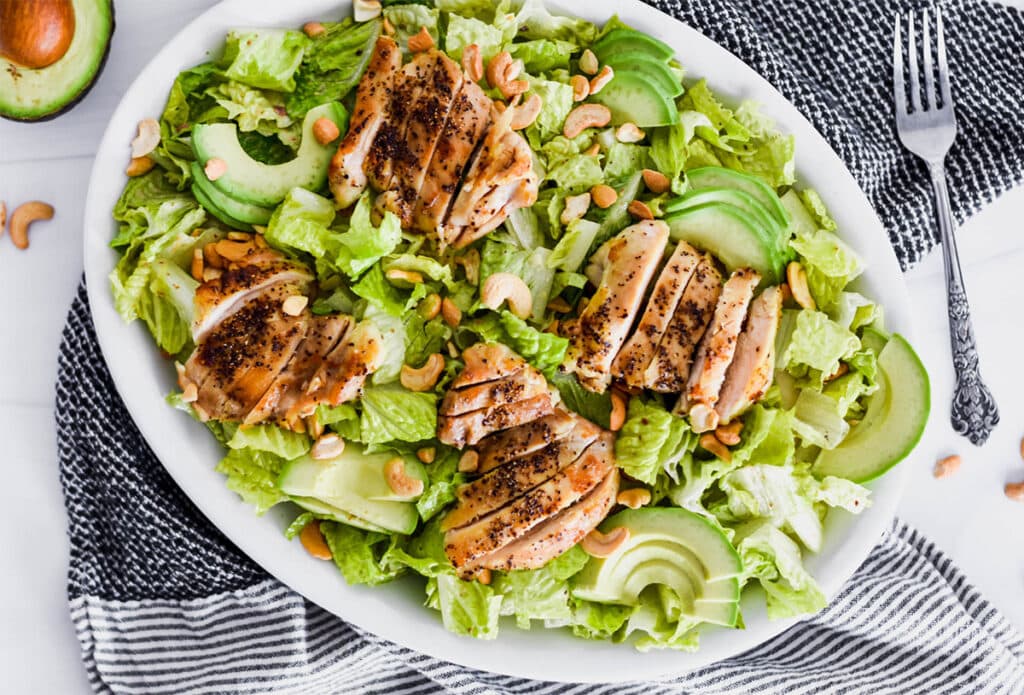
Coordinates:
[604,195]
[526,113]
[842,369]
[586,116]
[215,168]
[580,87]
[469,462]
[139,166]
[1014,491]
[294,305]
[473,62]
[559,306]
[453,351]
[388,27]
[233,251]
[639,210]
[483,576]
[411,277]
[325,131]
[424,378]
[470,262]
[147,139]
[588,62]
[947,466]
[634,498]
[451,314]
[399,481]
[593,150]
[427,454]
[656,181]
[23,216]
[506,287]
[618,415]
[421,41]
[597,544]
[729,434]
[3,217]
[196,268]
[312,539]
[327,446]
[796,278]
[576,206]
[598,82]
[190,394]
[629,133]
[502,72]
[430,307]
[709,442]
[314,29]
[365,10]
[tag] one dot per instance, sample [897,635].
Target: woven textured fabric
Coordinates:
[162,602]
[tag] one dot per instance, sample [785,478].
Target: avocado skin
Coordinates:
[81,94]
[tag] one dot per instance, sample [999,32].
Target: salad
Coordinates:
[507,301]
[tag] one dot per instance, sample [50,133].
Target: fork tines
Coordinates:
[929,67]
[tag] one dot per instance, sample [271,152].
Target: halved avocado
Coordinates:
[626,40]
[632,98]
[28,94]
[653,69]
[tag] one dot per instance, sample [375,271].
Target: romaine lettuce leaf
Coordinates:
[444,479]
[771,492]
[652,441]
[334,63]
[300,223]
[168,305]
[830,264]
[393,335]
[771,557]
[272,439]
[816,343]
[363,244]
[624,159]
[463,31]
[571,250]
[468,607]
[391,413]
[253,475]
[542,55]
[545,351]
[819,419]
[408,19]
[541,594]
[535,22]
[556,103]
[264,58]
[359,554]
[598,620]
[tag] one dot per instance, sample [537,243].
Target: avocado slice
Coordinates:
[671,547]
[652,68]
[210,206]
[893,424]
[311,504]
[624,40]
[266,185]
[44,93]
[633,98]
[737,198]
[227,209]
[731,235]
[720,177]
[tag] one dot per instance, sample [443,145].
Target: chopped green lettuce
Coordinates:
[408,19]
[830,264]
[253,109]
[652,441]
[391,413]
[535,22]
[359,554]
[771,492]
[253,475]
[771,557]
[556,103]
[272,439]
[545,351]
[301,223]
[541,594]
[363,244]
[542,55]
[816,343]
[572,249]
[333,64]
[819,419]
[622,160]
[468,607]
[463,31]
[264,58]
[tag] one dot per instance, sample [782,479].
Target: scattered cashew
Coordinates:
[424,378]
[604,195]
[147,139]
[421,41]
[411,277]
[526,113]
[2,229]
[451,314]
[559,306]
[593,150]
[365,10]
[239,236]
[212,257]
[427,454]
[618,415]
[483,576]
[842,369]
[470,262]
[580,87]
[211,274]
[314,29]
[576,206]
[640,211]
[552,327]
[325,131]
[430,307]
[796,278]
[23,216]
[588,62]
[729,434]
[232,250]
[215,168]
[469,462]
[327,446]
[709,442]
[635,498]
[316,429]
[586,116]
[312,539]
[598,82]
[139,166]
[3,217]
[190,394]
[629,133]
[473,62]
[502,72]
[947,466]
[453,351]
[656,181]
[399,481]
[196,268]
[597,544]
[295,305]
[787,295]
[506,287]
[1014,491]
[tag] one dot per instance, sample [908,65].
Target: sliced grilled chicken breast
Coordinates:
[751,370]
[505,483]
[636,355]
[470,428]
[669,370]
[503,447]
[621,269]
[716,350]
[513,521]
[373,98]
[518,386]
[486,362]
[467,121]
[556,534]
[343,372]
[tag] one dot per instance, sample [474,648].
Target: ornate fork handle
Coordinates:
[974,412]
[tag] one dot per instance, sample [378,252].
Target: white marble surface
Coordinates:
[967,515]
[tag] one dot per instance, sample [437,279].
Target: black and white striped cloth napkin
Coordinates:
[163,603]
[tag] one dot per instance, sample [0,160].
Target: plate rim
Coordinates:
[590,661]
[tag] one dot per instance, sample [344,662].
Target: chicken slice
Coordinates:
[239,359]
[524,440]
[487,362]
[621,269]
[505,483]
[754,363]
[520,385]
[323,334]
[669,371]
[716,350]
[500,179]
[498,529]
[636,355]
[554,535]
[470,428]
[467,121]
[373,96]
[343,372]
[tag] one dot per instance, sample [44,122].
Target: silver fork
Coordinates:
[928,131]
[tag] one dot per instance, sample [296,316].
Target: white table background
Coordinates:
[966,515]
